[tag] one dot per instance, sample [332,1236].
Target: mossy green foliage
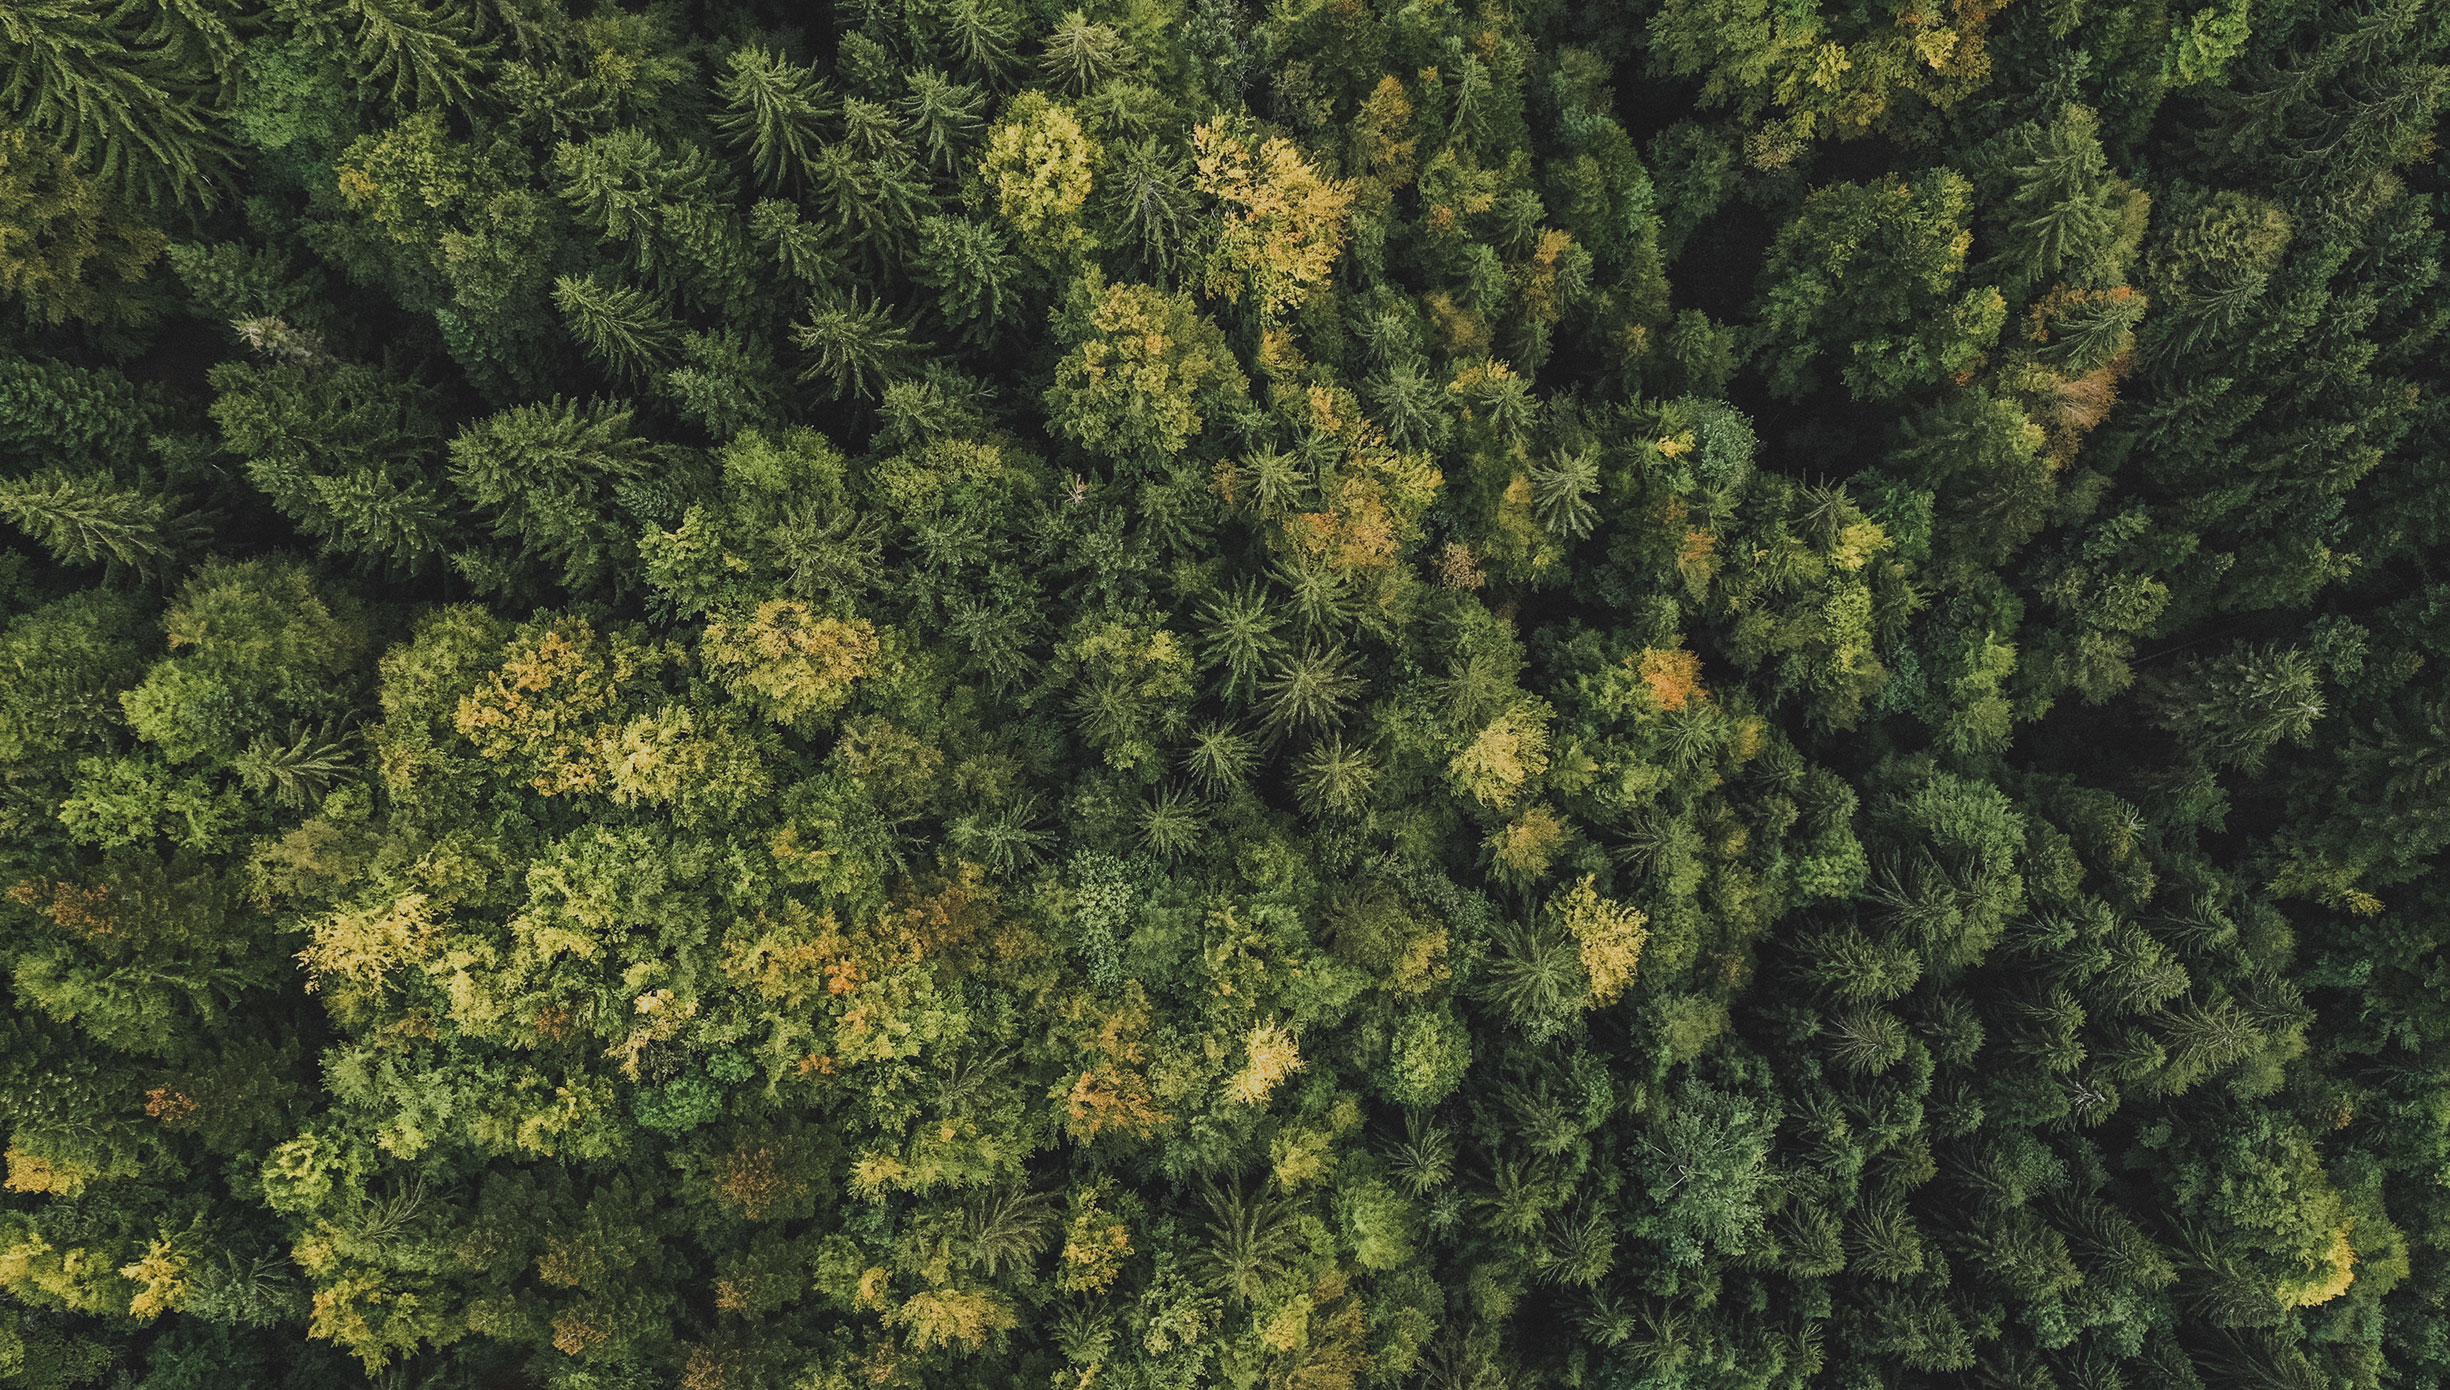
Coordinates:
[962,693]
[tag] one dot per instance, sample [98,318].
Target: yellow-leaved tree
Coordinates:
[1038,170]
[790,660]
[1608,935]
[1507,753]
[1285,222]
[1141,366]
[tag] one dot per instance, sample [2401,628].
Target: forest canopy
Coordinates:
[1147,694]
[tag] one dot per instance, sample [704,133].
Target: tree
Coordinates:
[252,646]
[423,56]
[976,277]
[85,520]
[1824,74]
[621,326]
[1284,223]
[343,452]
[657,203]
[568,482]
[871,183]
[2067,216]
[854,346]
[125,90]
[1038,170]
[1870,269]
[793,662]
[1079,56]
[63,246]
[1148,202]
[776,111]
[67,661]
[1143,369]
[944,116]
[2234,708]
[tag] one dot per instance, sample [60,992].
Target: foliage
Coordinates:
[1690,696]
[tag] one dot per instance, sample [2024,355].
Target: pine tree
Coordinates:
[776,112]
[1170,825]
[69,412]
[1561,491]
[854,346]
[1079,56]
[1884,1242]
[555,477]
[1535,977]
[727,382]
[425,56]
[981,37]
[342,451]
[1009,1227]
[88,519]
[65,248]
[1220,758]
[2235,708]
[126,89]
[970,266]
[298,773]
[1249,1243]
[1335,778]
[382,515]
[2066,211]
[621,326]
[630,189]
[1145,195]
[944,117]
[873,190]
[1238,636]
[1871,271]
[1310,690]
[799,247]
[1277,483]
[1867,1040]
[1410,405]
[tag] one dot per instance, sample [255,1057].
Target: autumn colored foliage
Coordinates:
[1162,694]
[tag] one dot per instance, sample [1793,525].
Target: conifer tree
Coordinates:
[564,480]
[126,90]
[774,111]
[853,346]
[64,249]
[1328,696]
[87,519]
[619,325]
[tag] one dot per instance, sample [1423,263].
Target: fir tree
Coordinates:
[776,112]
[86,519]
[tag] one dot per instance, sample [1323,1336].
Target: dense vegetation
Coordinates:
[965,693]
